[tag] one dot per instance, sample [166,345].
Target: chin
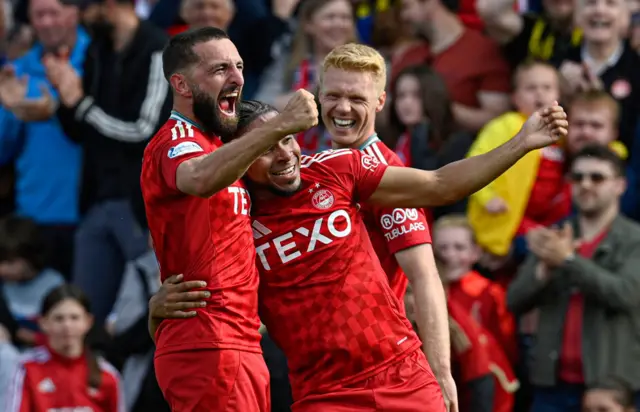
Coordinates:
[343,137]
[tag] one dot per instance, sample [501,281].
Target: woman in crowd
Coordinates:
[421,122]
[322,26]
[64,374]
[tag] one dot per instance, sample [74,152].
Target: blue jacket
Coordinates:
[48,164]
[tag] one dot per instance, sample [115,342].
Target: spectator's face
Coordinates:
[417,12]
[66,325]
[603,20]
[595,186]
[279,167]
[559,10]
[600,400]
[52,22]
[331,25]
[349,101]
[455,250]
[590,123]
[408,100]
[204,13]
[215,85]
[536,87]
[15,270]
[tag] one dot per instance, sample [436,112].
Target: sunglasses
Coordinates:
[596,178]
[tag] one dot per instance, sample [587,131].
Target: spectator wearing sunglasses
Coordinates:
[584,281]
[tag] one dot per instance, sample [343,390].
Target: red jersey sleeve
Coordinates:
[402,228]
[175,151]
[367,172]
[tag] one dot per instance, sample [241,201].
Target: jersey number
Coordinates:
[181,130]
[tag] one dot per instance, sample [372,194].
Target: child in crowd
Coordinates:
[457,251]
[533,192]
[24,277]
[609,395]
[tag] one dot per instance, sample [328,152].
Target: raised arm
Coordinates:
[406,187]
[205,175]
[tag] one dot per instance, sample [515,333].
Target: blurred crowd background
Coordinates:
[542,267]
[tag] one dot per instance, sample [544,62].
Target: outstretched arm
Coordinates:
[406,187]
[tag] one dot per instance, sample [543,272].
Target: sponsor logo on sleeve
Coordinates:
[183,149]
[369,162]
[400,222]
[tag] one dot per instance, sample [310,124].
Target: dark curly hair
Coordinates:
[249,111]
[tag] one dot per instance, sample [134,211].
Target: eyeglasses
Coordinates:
[595,178]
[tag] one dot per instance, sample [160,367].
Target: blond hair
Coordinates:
[456,221]
[357,58]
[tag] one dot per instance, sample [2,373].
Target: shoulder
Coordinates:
[36,356]
[328,159]
[109,372]
[382,153]
[628,229]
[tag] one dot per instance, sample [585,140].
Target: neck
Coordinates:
[442,31]
[67,351]
[600,52]
[591,226]
[124,29]
[184,108]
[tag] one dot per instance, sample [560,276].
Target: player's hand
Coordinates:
[544,127]
[496,206]
[300,114]
[175,299]
[449,393]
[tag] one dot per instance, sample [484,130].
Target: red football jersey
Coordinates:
[393,229]
[323,294]
[204,239]
[47,381]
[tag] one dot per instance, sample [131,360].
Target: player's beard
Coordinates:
[207,113]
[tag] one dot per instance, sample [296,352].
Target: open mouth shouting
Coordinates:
[227,102]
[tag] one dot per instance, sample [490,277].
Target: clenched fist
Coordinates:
[300,114]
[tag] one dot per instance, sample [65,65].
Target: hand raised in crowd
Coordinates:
[545,127]
[496,206]
[65,79]
[13,95]
[552,246]
[578,78]
[300,114]
[13,89]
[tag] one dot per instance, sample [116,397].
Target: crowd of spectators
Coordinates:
[541,267]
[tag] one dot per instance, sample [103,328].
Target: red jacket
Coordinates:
[49,382]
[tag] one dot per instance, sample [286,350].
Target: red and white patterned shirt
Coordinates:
[323,295]
[203,239]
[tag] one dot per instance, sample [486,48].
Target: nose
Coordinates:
[283,153]
[343,106]
[235,76]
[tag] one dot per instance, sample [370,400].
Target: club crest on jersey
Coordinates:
[184,148]
[322,199]
[369,162]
